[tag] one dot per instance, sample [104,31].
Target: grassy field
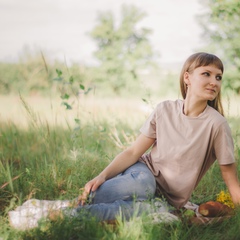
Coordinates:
[46,154]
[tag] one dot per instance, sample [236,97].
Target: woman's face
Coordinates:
[204,82]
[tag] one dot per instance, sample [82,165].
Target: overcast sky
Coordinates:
[59,27]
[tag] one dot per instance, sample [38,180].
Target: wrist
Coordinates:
[103,176]
[235,195]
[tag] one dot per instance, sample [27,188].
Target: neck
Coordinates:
[193,108]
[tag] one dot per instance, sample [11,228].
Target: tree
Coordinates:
[123,47]
[222,26]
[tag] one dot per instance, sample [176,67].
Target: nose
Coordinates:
[213,82]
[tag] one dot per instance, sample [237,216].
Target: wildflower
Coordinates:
[225,198]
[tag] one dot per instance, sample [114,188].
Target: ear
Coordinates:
[186,78]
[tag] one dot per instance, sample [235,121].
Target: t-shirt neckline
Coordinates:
[197,117]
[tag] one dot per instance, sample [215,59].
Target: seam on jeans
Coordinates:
[136,174]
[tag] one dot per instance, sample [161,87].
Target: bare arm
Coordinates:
[120,163]
[128,157]
[229,174]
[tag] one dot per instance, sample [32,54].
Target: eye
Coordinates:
[206,74]
[219,78]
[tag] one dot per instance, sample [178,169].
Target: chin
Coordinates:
[211,99]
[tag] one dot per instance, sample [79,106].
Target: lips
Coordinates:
[211,90]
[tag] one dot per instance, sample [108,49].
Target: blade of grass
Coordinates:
[12,179]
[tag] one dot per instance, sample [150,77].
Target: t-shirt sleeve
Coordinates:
[223,145]
[149,127]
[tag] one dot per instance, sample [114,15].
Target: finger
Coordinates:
[83,198]
[88,188]
[82,202]
[96,185]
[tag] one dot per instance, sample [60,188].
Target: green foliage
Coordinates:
[123,47]
[49,162]
[9,77]
[70,89]
[222,27]
[30,75]
[35,74]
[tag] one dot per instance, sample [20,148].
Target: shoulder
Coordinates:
[171,107]
[218,123]
[215,117]
[170,104]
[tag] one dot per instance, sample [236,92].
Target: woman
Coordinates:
[185,137]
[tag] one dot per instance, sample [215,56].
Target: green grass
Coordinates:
[47,161]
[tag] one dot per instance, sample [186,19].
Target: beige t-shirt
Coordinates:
[185,148]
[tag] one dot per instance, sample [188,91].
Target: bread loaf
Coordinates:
[214,209]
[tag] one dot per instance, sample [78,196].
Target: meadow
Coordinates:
[48,152]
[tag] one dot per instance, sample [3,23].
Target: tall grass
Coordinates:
[47,161]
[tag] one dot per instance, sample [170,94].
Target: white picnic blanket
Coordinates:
[30,212]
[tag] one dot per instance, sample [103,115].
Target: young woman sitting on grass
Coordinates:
[185,137]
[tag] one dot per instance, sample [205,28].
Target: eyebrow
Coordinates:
[212,72]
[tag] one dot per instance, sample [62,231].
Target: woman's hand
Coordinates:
[91,186]
[229,173]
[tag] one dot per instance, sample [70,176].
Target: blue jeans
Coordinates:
[123,195]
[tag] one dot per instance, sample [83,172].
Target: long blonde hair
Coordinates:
[198,60]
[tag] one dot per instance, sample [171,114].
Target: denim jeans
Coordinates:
[125,195]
